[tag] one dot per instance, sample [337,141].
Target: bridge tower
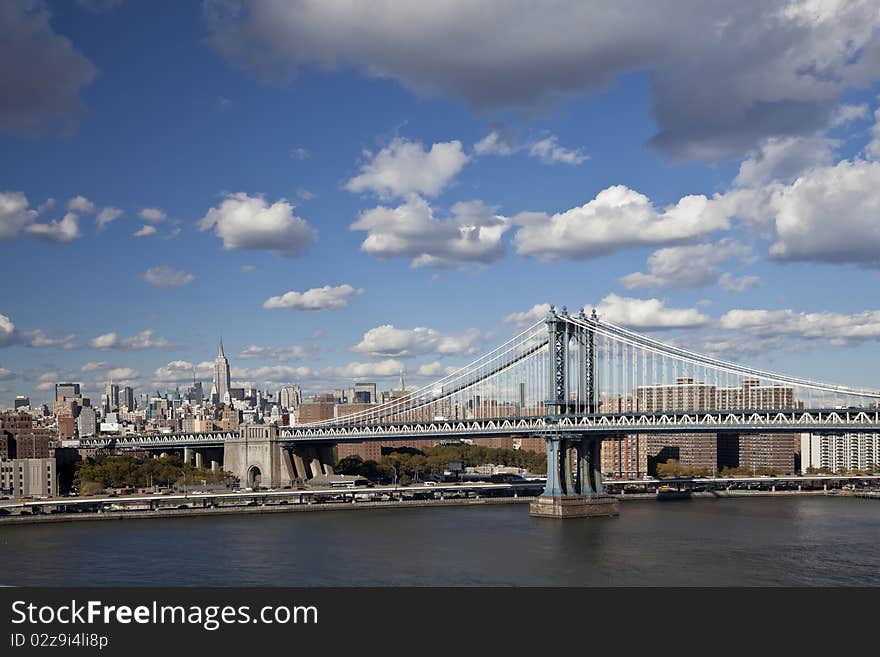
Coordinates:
[574,474]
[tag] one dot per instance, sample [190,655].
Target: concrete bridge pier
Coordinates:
[574,480]
[188,455]
[200,459]
[215,466]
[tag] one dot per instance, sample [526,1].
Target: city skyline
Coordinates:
[337,213]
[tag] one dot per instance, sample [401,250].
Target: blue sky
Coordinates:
[413,177]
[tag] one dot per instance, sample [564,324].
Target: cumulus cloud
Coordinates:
[499,141]
[829,215]
[139,342]
[300,153]
[405,167]
[275,353]
[436,368]
[731,283]
[165,276]
[6,374]
[388,340]
[617,218]
[649,314]
[153,215]
[41,73]
[271,373]
[471,235]
[8,334]
[873,148]
[839,328]
[317,298]
[15,214]
[376,369]
[145,231]
[123,375]
[81,204]
[686,266]
[723,75]
[38,338]
[249,222]
[106,216]
[95,366]
[181,371]
[549,151]
[523,319]
[784,159]
[65,230]
[845,113]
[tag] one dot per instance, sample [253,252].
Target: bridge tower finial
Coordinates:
[594,315]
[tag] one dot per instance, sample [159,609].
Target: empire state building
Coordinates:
[221,375]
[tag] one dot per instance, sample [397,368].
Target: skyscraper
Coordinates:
[221,374]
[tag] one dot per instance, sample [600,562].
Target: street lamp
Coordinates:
[394,476]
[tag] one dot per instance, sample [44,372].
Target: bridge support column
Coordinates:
[187,455]
[326,454]
[299,465]
[215,466]
[200,459]
[574,488]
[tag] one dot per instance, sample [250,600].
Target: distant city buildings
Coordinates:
[849,451]
[221,383]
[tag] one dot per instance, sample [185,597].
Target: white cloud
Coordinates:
[181,371]
[317,298]
[139,342]
[65,230]
[8,334]
[41,73]
[153,215]
[249,222]
[472,235]
[524,319]
[784,159]
[722,75]
[686,266]
[165,276]
[37,338]
[549,151]
[829,215]
[405,167]
[845,113]
[15,214]
[122,375]
[837,327]
[387,340]
[305,195]
[81,204]
[730,283]
[106,216]
[436,369]
[95,366]
[873,147]
[497,142]
[271,373]
[617,218]
[145,231]
[300,153]
[647,313]
[275,353]
[376,369]
[6,375]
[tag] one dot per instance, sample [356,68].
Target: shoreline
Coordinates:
[49,518]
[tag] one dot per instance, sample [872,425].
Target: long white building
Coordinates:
[851,451]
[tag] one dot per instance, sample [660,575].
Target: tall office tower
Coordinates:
[290,397]
[126,398]
[111,390]
[221,374]
[66,390]
[22,402]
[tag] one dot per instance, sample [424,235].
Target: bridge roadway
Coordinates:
[610,425]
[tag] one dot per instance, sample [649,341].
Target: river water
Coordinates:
[781,541]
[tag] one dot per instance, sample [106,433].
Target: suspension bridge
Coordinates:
[573,380]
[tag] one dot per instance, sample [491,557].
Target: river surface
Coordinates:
[764,542]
